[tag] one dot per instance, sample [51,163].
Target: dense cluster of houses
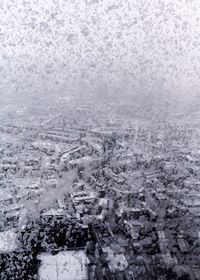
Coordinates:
[130,201]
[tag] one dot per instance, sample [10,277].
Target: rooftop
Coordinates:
[64,265]
[8,242]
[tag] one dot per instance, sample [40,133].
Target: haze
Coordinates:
[99,48]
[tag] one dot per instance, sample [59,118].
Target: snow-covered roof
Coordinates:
[5,194]
[116,261]
[103,202]
[79,196]
[22,219]
[54,212]
[34,184]
[82,160]
[8,241]
[64,265]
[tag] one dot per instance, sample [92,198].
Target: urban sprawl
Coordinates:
[98,200]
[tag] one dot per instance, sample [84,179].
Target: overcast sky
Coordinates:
[56,46]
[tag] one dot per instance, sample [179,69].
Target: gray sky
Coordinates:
[57,46]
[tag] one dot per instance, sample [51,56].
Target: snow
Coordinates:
[53,212]
[116,261]
[8,241]
[66,265]
[81,161]
[5,195]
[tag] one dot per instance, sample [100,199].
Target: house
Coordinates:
[68,264]
[6,197]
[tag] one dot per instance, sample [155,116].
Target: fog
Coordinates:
[105,50]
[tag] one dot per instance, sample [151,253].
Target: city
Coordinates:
[101,201]
[99,140]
